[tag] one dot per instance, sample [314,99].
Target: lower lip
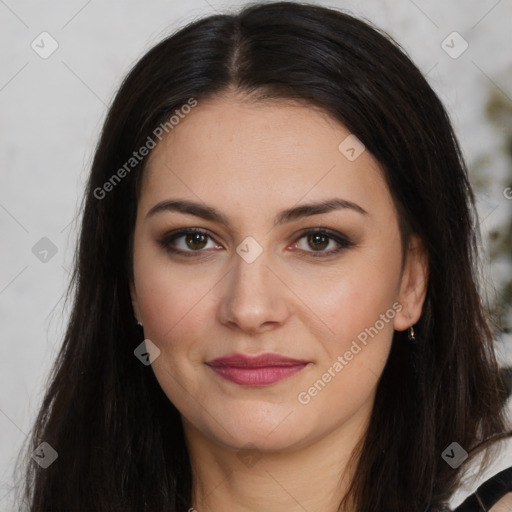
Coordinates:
[258,376]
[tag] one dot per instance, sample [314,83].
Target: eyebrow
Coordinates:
[288,215]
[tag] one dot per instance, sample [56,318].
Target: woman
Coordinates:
[276,301]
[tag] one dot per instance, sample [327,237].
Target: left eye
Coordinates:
[319,240]
[195,240]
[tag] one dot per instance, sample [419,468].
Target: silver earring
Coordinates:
[139,323]
[410,333]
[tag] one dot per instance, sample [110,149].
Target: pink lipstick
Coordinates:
[256,371]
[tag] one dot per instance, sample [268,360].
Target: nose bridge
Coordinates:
[252,295]
[249,282]
[250,275]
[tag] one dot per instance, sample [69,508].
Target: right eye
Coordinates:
[194,241]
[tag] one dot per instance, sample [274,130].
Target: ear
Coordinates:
[135,302]
[413,285]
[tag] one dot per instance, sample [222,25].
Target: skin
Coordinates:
[504,505]
[251,161]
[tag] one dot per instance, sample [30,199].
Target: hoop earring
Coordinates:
[410,334]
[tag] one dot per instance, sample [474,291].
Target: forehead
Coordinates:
[249,154]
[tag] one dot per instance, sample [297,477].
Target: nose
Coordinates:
[254,298]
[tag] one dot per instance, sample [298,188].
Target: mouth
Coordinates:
[256,371]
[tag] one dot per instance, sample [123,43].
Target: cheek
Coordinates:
[357,351]
[360,312]
[174,314]
[353,299]
[171,301]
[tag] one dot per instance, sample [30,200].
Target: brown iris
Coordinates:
[196,238]
[313,239]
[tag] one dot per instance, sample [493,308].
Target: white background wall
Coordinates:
[52,110]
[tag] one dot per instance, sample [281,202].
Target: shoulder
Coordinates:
[497,490]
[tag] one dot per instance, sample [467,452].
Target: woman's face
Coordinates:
[321,285]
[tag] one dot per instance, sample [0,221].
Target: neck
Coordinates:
[312,477]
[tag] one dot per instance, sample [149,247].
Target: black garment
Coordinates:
[488,494]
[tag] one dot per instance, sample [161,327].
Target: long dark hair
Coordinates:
[118,437]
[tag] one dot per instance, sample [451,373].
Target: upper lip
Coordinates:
[248,361]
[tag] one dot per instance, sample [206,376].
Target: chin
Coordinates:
[264,435]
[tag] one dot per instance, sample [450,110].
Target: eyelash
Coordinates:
[342,241]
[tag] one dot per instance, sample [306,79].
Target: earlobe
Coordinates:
[413,285]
